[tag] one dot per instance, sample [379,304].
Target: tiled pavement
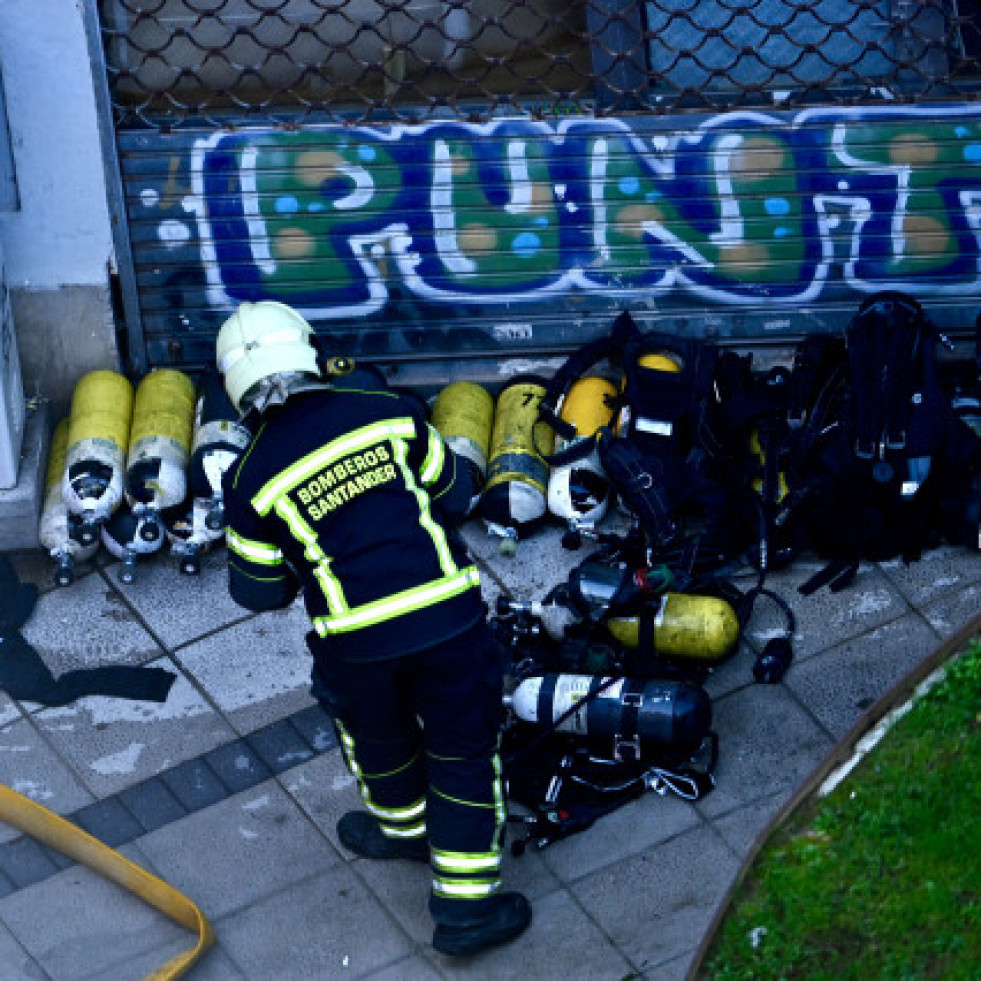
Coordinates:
[230,789]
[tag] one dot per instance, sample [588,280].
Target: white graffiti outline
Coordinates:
[657,154]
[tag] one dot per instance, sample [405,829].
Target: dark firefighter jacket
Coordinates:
[348,494]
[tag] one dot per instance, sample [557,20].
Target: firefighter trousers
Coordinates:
[421,734]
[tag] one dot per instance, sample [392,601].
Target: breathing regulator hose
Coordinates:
[45,826]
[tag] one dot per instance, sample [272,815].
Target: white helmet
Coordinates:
[263,339]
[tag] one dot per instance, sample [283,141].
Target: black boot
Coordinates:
[493,921]
[361,833]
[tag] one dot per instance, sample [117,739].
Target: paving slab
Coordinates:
[9,712]
[951,612]
[255,671]
[114,742]
[635,827]
[29,765]
[87,625]
[564,941]
[326,925]
[938,572]
[179,608]
[232,788]
[768,743]
[740,828]
[656,905]
[78,924]
[841,683]
[214,966]
[18,965]
[826,618]
[239,851]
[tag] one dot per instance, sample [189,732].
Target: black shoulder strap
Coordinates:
[624,329]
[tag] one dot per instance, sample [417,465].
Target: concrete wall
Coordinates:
[58,244]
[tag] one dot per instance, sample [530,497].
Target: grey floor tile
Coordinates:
[88,625]
[109,821]
[741,828]
[78,924]
[402,888]
[656,905]
[29,766]
[325,789]
[17,964]
[825,619]
[768,745]
[213,965]
[9,712]
[115,743]
[935,574]
[280,745]
[840,684]
[324,926]
[673,970]
[539,564]
[414,968]
[256,672]
[953,611]
[194,784]
[733,673]
[316,726]
[25,862]
[239,850]
[238,766]
[180,608]
[635,827]
[546,951]
[151,803]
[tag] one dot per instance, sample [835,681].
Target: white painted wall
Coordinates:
[61,235]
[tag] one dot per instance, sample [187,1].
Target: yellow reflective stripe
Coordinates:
[347,747]
[466,862]
[465,890]
[500,803]
[251,550]
[416,831]
[402,814]
[329,584]
[426,522]
[409,600]
[435,455]
[300,530]
[323,457]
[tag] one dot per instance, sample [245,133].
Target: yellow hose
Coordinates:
[32,819]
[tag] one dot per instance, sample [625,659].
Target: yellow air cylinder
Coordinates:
[463,414]
[159,446]
[98,435]
[681,625]
[57,529]
[514,501]
[652,361]
[578,490]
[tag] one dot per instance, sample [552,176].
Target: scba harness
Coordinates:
[651,452]
[884,466]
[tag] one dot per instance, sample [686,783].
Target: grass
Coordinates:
[882,877]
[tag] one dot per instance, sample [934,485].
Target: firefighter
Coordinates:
[350,496]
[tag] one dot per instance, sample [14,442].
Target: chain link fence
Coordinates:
[186,61]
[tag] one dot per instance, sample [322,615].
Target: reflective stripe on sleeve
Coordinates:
[253,551]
